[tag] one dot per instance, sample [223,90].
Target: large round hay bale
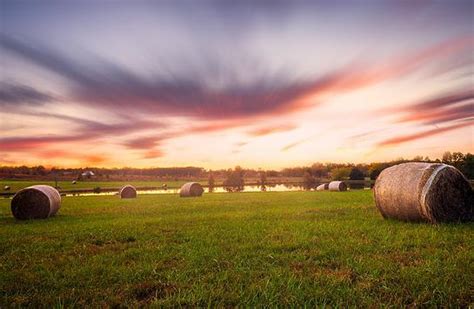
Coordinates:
[337,186]
[191,189]
[36,202]
[430,192]
[322,187]
[128,191]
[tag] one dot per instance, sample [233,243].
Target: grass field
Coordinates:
[287,248]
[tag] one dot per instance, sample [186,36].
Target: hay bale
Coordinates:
[322,187]
[36,202]
[128,191]
[191,189]
[74,182]
[337,186]
[430,192]
[6,188]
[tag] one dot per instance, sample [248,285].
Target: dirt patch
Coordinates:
[337,273]
[406,259]
[148,291]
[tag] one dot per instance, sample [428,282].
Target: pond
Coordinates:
[249,188]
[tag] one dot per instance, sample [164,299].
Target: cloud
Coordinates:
[187,91]
[110,86]
[89,131]
[222,103]
[451,110]
[153,154]
[412,137]
[13,94]
[271,129]
[292,145]
[444,100]
[142,142]
[443,108]
[76,155]
[26,143]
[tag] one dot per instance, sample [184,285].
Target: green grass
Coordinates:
[291,249]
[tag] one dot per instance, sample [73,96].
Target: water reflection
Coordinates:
[252,188]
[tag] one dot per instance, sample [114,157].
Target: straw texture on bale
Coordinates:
[36,202]
[429,192]
[337,186]
[322,187]
[128,191]
[191,189]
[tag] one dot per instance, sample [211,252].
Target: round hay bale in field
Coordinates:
[337,186]
[322,187]
[36,202]
[74,182]
[191,189]
[430,192]
[128,191]
[6,188]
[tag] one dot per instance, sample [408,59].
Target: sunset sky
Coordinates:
[266,84]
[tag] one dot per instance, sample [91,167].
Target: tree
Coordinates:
[211,181]
[263,178]
[356,174]
[319,170]
[235,180]
[340,173]
[447,157]
[376,168]
[467,166]
[309,182]
[418,159]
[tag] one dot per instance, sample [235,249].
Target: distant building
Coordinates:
[88,174]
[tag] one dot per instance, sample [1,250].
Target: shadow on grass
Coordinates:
[10,220]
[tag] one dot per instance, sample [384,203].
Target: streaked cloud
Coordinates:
[271,129]
[223,75]
[424,134]
[14,94]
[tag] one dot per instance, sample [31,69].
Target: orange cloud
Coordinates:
[359,75]
[271,129]
[152,154]
[411,137]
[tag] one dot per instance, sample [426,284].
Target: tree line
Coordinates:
[333,171]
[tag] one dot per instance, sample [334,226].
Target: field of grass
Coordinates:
[286,248]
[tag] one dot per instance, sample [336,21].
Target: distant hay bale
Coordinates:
[322,187]
[6,188]
[337,186]
[128,191]
[74,182]
[36,202]
[191,189]
[430,192]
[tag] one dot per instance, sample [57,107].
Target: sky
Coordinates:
[261,84]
